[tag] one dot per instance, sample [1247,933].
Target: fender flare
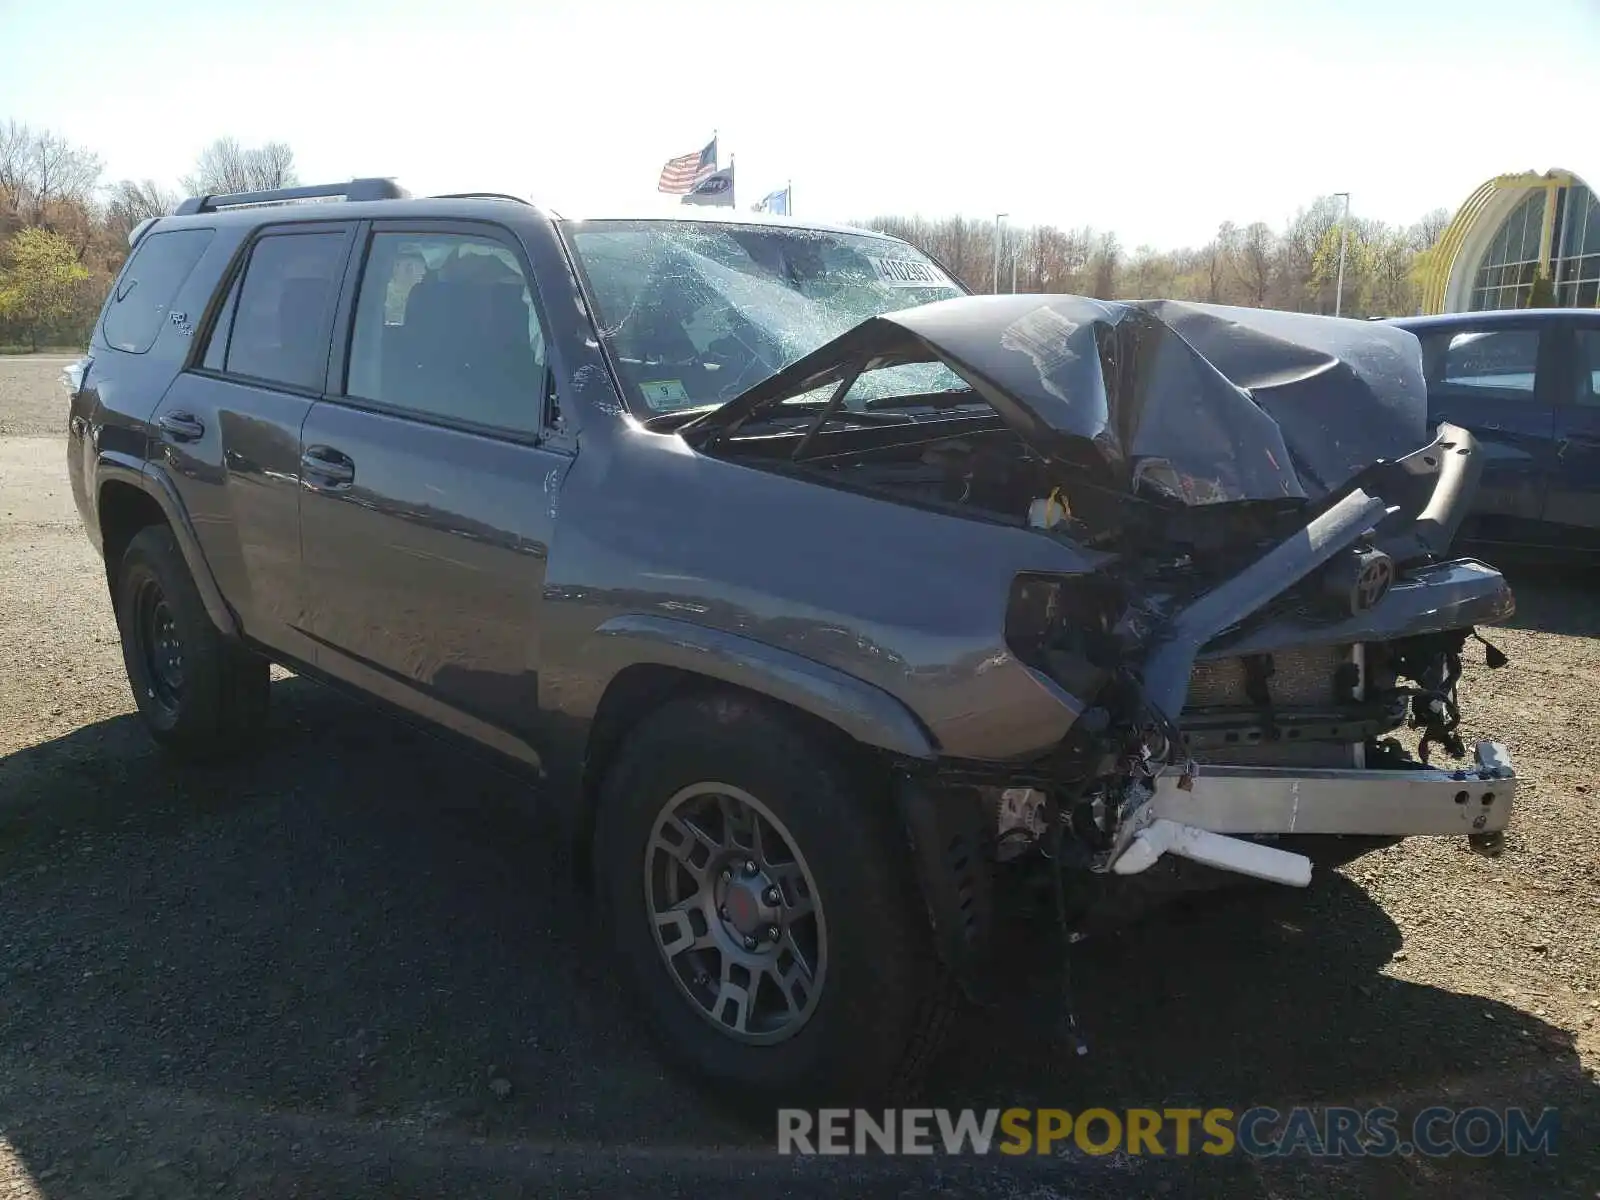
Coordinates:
[154,483]
[867,713]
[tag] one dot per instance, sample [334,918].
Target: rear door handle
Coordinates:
[326,467]
[182,426]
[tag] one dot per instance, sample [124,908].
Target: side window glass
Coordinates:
[1589,368]
[1494,364]
[142,298]
[217,347]
[445,326]
[281,322]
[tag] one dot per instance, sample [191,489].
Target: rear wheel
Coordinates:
[761,900]
[198,693]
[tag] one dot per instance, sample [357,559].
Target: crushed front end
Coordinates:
[1264,636]
[1276,701]
[1301,706]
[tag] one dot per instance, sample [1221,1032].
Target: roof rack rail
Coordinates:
[354,189]
[481,196]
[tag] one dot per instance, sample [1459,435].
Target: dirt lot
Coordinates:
[301,975]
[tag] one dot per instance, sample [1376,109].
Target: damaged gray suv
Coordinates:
[817,598]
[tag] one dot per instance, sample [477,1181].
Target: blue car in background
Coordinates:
[1526,382]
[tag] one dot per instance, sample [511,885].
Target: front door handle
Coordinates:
[325,467]
[182,426]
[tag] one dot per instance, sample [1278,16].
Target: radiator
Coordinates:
[1302,677]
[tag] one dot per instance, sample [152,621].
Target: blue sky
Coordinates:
[1156,118]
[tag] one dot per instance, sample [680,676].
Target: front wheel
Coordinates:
[198,693]
[761,899]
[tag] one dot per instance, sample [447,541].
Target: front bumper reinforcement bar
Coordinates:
[1227,806]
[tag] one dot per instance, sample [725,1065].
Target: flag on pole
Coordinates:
[716,188]
[681,175]
[776,203]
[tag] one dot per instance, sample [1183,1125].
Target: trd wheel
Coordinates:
[760,896]
[197,692]
[735,914]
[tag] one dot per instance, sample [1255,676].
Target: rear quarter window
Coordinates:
[142,298]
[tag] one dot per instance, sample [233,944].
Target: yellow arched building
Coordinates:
[1509,232]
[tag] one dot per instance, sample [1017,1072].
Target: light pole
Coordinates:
[998,217]
[1344,232]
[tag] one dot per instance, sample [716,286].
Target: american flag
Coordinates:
[681,175]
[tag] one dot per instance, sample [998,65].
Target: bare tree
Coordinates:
[1425,234]
[1104,262]
[227,166]
[1390,263]
[41,170]
[1151,272]
[131,202]
[60,172]
[14,142]
[1219,261]
[219,170]
[272,166]
[1307,232]
[1253,262]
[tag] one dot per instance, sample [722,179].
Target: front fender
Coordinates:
[867,713]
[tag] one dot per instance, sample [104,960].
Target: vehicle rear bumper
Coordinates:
[1226,806]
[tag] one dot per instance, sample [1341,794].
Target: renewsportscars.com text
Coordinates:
[1259,1132]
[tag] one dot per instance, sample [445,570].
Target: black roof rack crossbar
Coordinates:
[353,189]
[480,196]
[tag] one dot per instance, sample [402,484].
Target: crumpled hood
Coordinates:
[1204,403]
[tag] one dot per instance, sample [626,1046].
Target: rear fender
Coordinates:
[153,482]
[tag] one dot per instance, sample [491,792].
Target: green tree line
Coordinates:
[1295,267]
[64,234]
[64,228]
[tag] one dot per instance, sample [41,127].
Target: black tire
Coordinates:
[884,1002]
[219,699]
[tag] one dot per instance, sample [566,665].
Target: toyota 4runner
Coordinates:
[814,594]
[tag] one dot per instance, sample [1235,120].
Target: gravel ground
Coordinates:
[32,403]
[351,966]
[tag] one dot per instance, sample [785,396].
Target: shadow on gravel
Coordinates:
[1555,600]
[305,971]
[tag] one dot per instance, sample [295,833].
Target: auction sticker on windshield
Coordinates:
[904,272]
[665,393]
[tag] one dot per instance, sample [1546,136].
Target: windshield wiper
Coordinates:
[923,400]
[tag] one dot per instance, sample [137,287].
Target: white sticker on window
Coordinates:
[905,272]
[665,393]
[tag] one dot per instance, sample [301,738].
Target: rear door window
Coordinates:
[280,329]
[1491,364]
[1588,368]
[142,299]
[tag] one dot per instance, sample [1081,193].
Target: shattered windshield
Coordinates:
[693,313]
